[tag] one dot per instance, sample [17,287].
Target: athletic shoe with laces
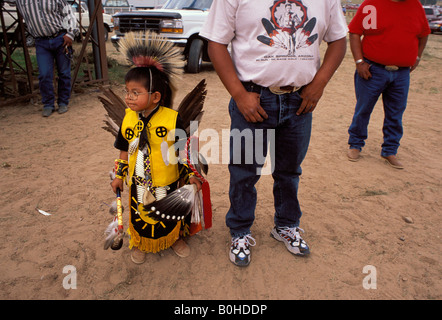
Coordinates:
[239,250]
[292,240]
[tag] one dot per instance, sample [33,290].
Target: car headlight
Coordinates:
[171,26]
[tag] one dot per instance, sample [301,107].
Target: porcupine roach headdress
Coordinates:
[150,50]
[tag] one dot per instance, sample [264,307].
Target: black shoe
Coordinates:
[47,112]
[62,108]
[239,250]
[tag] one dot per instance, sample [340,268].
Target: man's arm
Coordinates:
[312,92]
[247,102]
[69,22]
[420,51]
[363,67]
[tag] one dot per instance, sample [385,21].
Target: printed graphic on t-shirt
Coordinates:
[289,28]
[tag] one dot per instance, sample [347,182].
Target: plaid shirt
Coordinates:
[44,18]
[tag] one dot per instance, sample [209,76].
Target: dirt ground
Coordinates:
[354,214]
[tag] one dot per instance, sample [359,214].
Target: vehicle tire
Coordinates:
[30,40]
[106,34]
[195,59]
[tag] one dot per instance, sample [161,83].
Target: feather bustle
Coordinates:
[190,108]
[115,108]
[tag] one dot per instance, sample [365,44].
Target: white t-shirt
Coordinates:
[275,42]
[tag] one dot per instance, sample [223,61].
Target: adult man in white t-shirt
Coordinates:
[275,77]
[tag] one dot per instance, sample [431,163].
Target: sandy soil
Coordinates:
[354,213]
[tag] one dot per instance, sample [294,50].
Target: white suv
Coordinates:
[180,21]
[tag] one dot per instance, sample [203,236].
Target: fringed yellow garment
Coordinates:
[153,245]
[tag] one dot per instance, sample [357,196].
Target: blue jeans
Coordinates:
[49,51]
[393,85]
[291,140]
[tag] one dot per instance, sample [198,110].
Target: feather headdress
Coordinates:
[148,49]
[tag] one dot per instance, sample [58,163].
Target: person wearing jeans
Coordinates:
[291,140]
[53,25]
[394,35]
[52,53]
[275,77]
[394,86]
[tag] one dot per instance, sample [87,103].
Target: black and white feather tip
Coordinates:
[174,207]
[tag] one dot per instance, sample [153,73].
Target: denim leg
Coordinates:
[367,95]
[45,61]
[395,101]
[64,72]
[292,140]
[292,136]
[242,194]
[243,169]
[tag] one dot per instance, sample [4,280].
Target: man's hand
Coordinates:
[67,41]
[310,95]
[363,70]
[415,65]
[250,107]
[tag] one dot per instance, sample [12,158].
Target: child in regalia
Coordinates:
[148,160]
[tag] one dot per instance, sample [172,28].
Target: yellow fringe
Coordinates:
[153,245]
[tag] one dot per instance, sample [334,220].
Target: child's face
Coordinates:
[139,99]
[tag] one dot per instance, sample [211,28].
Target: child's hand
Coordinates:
[117,183]
[196,181]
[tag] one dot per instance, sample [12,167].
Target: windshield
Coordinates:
[116,3]
[188,4]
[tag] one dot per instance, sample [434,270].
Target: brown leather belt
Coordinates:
[253,87]
[388,68]
[284,89]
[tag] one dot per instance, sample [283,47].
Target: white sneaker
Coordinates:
[239,250]
[292,240]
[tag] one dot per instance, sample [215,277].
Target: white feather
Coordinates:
[134,145]
[44,212]
[197,206]
[111,232]
[139,171]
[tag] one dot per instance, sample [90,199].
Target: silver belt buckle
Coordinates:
[278,90]
[391,68]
